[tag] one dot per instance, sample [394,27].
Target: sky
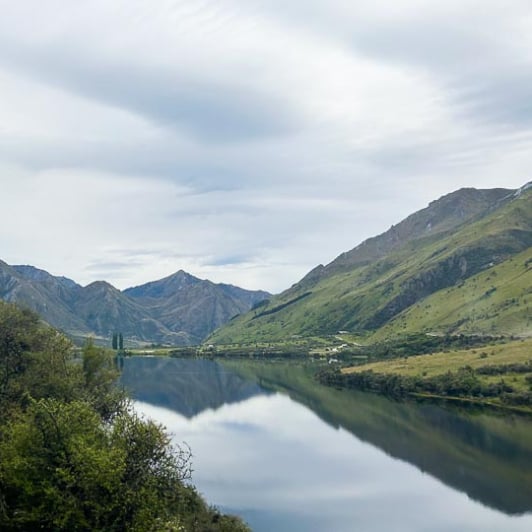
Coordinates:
[247,141]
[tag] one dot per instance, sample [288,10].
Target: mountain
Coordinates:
[440,217]
[184,302]
[106,309]
[51,297]
[415,277]
[178,310]
[34,274]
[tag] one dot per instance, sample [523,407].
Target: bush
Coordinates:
[75,455]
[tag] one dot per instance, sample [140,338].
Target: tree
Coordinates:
[74,455]
[55,462]
[120,342]
[63,470]
[51,371]
[99,380]
[18,331]
[115,341]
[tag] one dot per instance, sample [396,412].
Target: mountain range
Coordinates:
[461,265]
[178,310]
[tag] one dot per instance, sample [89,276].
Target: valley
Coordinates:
[266,266]
[453,281]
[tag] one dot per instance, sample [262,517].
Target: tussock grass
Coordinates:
[519,351]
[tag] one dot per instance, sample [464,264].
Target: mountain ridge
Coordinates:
[175,315]
[376,282]
[378,285]
[427,222]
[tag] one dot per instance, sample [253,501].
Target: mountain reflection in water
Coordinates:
[183,385]
[299,459]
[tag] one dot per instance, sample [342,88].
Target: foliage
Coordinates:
[502,369]
[99,377]
[117,342]
[18,337]
[58,470]
[74,454]
[420,343]
[461,383]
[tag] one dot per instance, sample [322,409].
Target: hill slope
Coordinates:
[378,286]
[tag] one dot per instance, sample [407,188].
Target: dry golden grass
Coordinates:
[519,351]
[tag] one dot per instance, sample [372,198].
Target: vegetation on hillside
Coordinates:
[468,273]
[74,455]
[495,301]
[499,374]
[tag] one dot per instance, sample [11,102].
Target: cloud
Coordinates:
[209,110]
[253,458]
[247,142]
[164,86]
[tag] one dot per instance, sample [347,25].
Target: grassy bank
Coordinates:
[499,374]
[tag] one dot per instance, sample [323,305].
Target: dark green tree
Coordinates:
[18,337]
[120,341]
[99,380]
[74,455]
[63,470]
[115,341]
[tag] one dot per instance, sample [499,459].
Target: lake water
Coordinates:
[287,454]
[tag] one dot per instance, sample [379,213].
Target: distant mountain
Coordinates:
[178,310]
[49,296]
[183,302]
[105,309]
[34,274]
[463,264]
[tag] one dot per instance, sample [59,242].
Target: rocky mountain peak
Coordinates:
[179,309]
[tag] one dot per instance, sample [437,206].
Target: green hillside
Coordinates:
[469,271]
[495,301]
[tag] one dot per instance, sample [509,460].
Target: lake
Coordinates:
[287,454]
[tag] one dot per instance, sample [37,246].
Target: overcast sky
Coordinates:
[247,141]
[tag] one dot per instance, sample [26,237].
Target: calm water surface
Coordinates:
[286,454]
